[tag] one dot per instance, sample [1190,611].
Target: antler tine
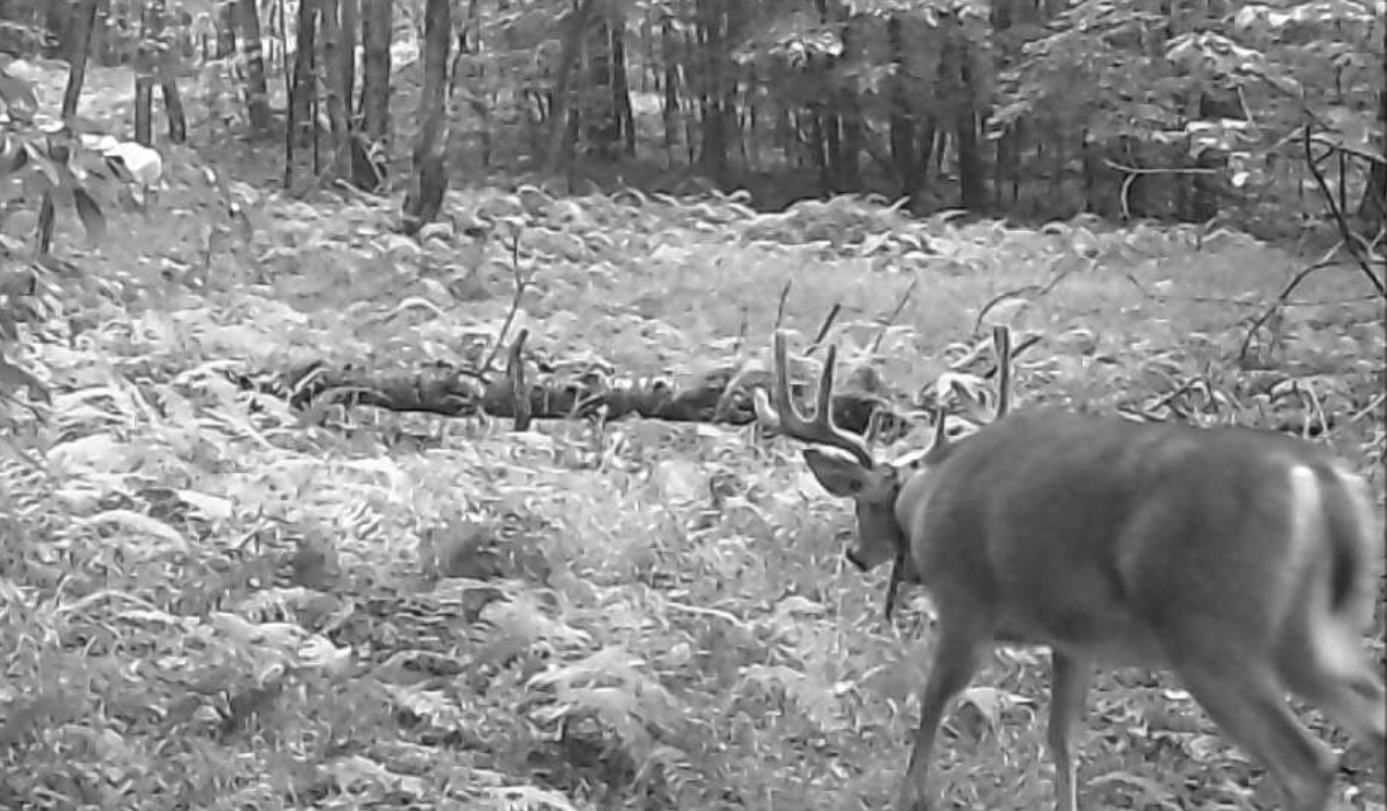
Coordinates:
[790,418]
[778,412]
[941,430]
[819,429]
[770,411]
[823,415]
[1001,342]
[823,398]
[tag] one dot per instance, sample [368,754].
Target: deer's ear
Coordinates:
[839,475]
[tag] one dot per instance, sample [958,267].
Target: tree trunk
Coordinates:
[1000,162]
[376,26]
[902,124]
[568,57]
[58,22]
[602,129]
[226,30]
[60,152]
[1059,165]
[831,128]
[621,90]
[669,52]
[957,59]
[257,89]
[818,146]
[924,159]
[173,107]
[424,201]
[972,183]
[337,90]
[854,141]
[305,86]
[82,23]
[165,72]
[80,27]
[438,40]
[847,156]
[99,47]
[470,67]
[1093,172]
[350,11]
[731,17]
[1373,207]
[144,88]
[713,155]
[1207,189]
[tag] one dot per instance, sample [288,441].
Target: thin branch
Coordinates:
[1173,170]
[1280,302]
[976,350]
[1349,149]
[515,376]
[1131,173]
[1373,405]
[1037,289]
[896,313]
[1354,243]
[824,327]
[520,284]
[780,308]
[1026,343]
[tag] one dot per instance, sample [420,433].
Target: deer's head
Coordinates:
[848,469]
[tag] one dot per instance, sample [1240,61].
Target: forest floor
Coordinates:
[214,600]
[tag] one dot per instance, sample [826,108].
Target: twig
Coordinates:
[824,328]
[1037,289]
[1151,294]
[1156,170]
[1361,154]
[976,350]
[1356,246]
[515,376]
[1325,261]
[700,611]
[896,313]
[780,308]
[1131,173]
[520,284]
[1373,405]
[1016,351]
[1170,401]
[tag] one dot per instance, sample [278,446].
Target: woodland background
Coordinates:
[1029,110]
[375,376]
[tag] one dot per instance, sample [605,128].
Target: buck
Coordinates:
[1243,560]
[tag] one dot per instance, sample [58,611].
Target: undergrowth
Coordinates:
[213,600]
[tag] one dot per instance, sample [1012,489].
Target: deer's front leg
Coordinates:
[956,660]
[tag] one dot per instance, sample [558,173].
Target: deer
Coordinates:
[1244,561]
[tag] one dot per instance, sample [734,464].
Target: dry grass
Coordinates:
[734,662]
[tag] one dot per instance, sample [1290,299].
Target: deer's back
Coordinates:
[1106,535]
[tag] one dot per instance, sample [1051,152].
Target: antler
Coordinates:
[787,419]
[973,409]
[1001,344]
